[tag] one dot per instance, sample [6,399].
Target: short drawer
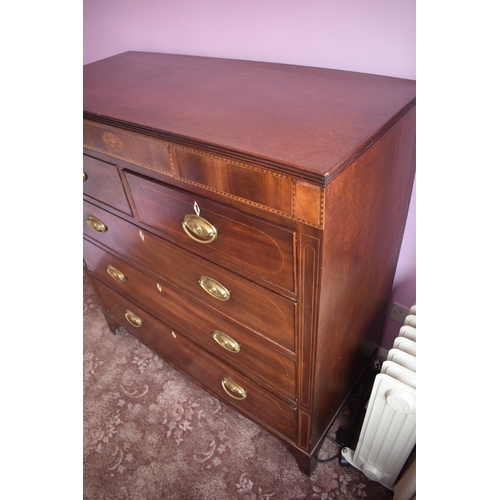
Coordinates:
[229,384]
[221,234]
[102,182]
[230,341]
[254,306]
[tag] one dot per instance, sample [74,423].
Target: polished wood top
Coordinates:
[300,120]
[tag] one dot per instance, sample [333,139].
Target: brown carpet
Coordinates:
[149,433]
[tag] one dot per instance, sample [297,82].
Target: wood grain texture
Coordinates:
[306,173]
[260,358]
[102,182]
[250,183]
[138,149]
[258,404]
[265,250]
[305,120]
[270,314]
[361,248]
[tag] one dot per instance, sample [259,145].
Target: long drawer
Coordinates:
[254,306]
[223,235]
[230,341]
[218,377]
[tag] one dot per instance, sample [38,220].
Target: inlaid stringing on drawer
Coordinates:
[102,182]
[135,148]
[227,224]
[296,199]
[212,373]
[230,341]
[250,304]
[244,242]
[260,187]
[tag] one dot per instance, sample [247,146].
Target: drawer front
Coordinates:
[223,380]
[225,236]
[260,186]
[229,341]
[102,182]
[254,306]
[134,148]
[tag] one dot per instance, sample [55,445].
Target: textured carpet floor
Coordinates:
[149,433]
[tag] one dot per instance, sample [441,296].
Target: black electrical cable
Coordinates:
[334,457]
[334,442]
[364,396]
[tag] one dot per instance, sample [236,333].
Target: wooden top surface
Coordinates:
[310,120]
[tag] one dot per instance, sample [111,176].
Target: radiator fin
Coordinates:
[388,433]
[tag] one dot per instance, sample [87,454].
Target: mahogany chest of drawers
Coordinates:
[244,221]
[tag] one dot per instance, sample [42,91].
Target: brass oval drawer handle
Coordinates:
[96,224]
[226,341]
[214,288]
[84,177]
[133,319]
[116,274]
[233,390]
[199,229]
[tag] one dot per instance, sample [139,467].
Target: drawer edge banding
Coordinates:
[291,213]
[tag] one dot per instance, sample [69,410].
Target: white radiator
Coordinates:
[389,429]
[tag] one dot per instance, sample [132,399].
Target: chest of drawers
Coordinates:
[244,220]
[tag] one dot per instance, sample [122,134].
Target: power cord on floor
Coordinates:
[331,459]
[341,443]
[344,436]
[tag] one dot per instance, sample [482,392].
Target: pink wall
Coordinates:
[370,36]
